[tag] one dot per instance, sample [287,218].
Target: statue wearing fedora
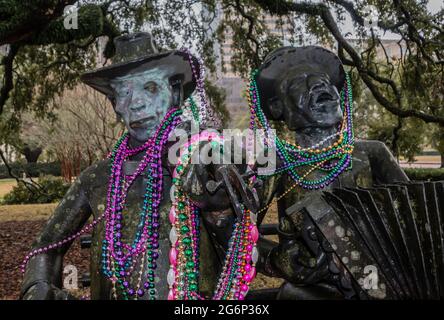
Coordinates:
[300,87]
[143,85]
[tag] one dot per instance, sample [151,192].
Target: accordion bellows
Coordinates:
[388,238]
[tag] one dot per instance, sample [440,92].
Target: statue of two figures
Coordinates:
[130,195]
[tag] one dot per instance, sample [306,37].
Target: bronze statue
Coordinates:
[300,87]
[143,85]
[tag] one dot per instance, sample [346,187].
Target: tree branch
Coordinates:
[32,186]
[8,77]
[251,22]
[282,7]
[28,18]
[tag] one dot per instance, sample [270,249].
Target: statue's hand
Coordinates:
[195,186]
[237,186]
[215,185]
[46,291]
[300,257]
[220,187]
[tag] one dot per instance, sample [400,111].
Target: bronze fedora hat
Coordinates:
[137,51]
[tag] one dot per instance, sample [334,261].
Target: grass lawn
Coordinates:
[6,185]
[26,212]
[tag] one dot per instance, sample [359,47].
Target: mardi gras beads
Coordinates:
[239,266]
[333,159]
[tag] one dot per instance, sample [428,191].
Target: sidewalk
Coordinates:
[422,162]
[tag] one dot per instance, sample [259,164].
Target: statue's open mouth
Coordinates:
[324,97]
[141,122]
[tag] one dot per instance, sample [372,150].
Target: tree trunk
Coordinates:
[395,148]
[32,154]
[442,160]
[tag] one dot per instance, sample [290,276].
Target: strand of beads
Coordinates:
[89,227]
[118,257]
[335,158]
[239,265]
[206,113]
[194,110]
[85,229]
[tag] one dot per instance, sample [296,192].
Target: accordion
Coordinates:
[388,239]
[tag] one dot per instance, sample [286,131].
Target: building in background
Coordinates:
[231,82]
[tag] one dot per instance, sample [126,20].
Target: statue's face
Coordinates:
[141,100]
[310,100]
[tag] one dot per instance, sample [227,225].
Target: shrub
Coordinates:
[31,169]
[52,190]
[425,174]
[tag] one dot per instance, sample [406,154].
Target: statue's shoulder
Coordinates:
[95,173]
[362,143]
[371,146]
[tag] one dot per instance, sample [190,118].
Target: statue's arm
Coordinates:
[43,274]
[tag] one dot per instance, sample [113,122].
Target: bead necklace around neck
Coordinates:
[329,162]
